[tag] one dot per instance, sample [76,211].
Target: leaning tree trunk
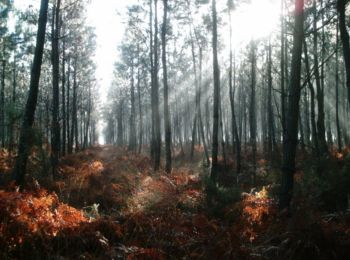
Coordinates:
[291,138]
[29,112]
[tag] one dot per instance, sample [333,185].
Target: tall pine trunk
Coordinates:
[216,75]
[29,112]
[167,125]
[291,137]
[55,138]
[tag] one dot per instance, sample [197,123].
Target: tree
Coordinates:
[216,76]
[28,118]
[252,108]
[55,55]
[167,125]
[345,39]
[292,114]
[156,134]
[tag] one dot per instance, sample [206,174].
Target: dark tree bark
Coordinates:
[55,138]
[282,68]
[201,127]
[315,139]
[194,128]
[291,137]
[120,124]
[339,136]
[2,104]
[270,114]
[63,93]
[156,137]
[321,130]
[345,39]
[132,130]
[167,125]
[252,109]
[140,102]
[88,119]
[74,125]
[216,75]
[69,133]
[28,119]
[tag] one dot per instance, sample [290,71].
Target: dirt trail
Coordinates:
[120,182]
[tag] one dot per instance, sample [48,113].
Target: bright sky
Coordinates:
[104,16]
[254,20]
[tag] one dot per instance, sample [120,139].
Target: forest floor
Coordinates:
[107,203]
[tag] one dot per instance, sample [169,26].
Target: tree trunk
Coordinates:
[28,119]
[252,109]
[282,64]
[345,39]
[132,130]
[55,138]
[216,75]
[270,115]
[69,133]
[63,93]
[316,149]
[321,130]
[140,105]
[156,142]
[167,125]
[291,138]
[339,136]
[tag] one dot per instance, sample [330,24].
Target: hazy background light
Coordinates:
[250,21]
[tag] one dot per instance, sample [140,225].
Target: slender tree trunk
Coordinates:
[55,138]
[196,96]
[2,102]
[345,39]
[306,118]
[167,125]
[13,120]
[132,130]
[28,119]
[216,75]
[291,138]
[201,127]
[88,119]
[69,133]
[312,104]
[120,124]
[339,136]
[321,130]
[270,115]
[74,129]
[153,135]
[282,64]
[140,105]
[63,83]
[156,142]
[252,109]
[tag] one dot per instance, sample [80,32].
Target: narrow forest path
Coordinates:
[120,182]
